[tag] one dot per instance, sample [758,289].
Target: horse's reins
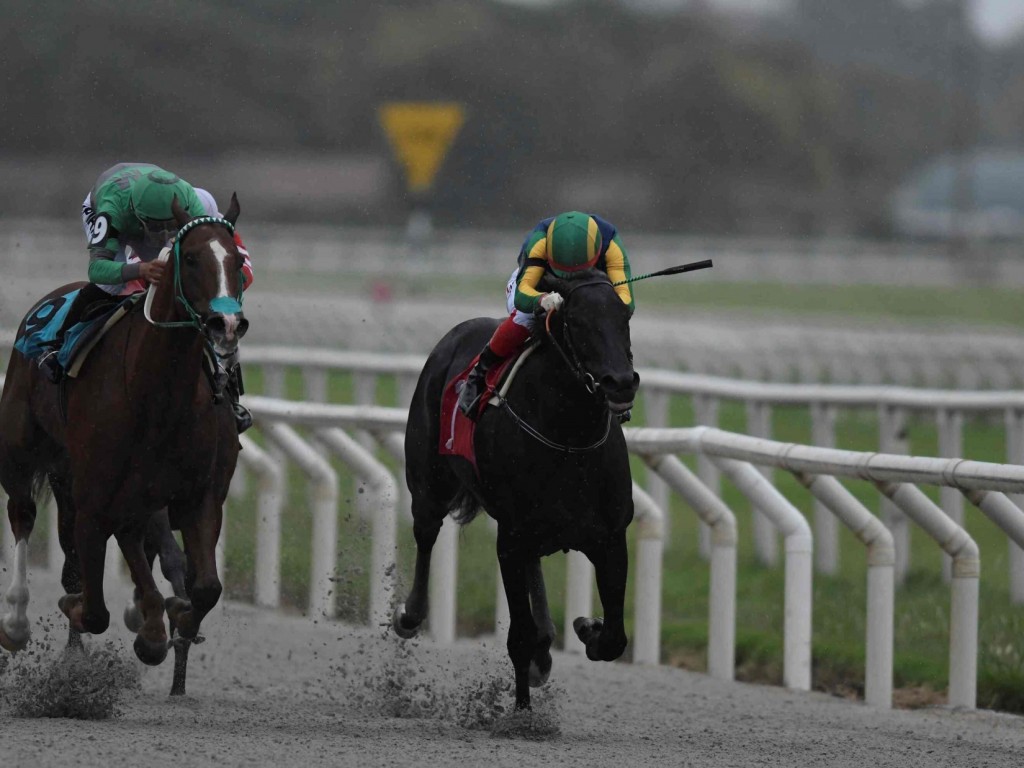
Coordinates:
[574,364]
[576,367]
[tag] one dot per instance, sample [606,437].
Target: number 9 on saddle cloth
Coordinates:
[39,337]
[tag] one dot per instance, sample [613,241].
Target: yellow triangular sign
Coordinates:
[420,133]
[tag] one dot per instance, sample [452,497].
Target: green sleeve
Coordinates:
[105,272]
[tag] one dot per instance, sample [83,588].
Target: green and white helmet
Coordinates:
[152,194]
[573,243]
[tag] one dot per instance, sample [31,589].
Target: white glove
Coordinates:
[550,302]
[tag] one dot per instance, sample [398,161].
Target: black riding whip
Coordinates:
[691,267]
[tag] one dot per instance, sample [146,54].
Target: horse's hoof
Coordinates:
[401,625]
[133,619]
[67,603]
[150,653]
[13,640]
[540,672]
[587,629]
[175,605]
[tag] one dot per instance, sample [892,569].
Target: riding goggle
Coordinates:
[158,231]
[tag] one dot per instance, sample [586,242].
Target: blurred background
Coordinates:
[855,168]
[858,161]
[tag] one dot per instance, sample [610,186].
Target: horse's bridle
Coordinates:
[572,359]
[223,304]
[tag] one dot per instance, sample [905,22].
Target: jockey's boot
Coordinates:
[476,382]
[235,389]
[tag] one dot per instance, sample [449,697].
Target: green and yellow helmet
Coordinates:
[573,242]
[152,194]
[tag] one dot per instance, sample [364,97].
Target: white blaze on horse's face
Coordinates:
[221,254]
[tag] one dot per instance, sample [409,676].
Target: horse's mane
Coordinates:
[550,282]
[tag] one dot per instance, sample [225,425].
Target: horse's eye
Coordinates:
[190,259]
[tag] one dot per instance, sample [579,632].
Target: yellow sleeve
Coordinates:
[617,268]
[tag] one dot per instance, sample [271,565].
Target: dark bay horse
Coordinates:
[142,432]
[553,470]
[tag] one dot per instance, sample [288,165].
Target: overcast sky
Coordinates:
[997,20]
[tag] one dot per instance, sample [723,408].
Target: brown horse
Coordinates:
[142,432]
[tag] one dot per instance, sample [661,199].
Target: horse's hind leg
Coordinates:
[540,665]
[14,626]
[428,517]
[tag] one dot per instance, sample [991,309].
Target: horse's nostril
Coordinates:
[243,327]
[619,383]
[216,324]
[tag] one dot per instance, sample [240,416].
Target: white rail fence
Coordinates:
[743,459]
[894,406]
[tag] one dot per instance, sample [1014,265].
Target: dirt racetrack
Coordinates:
[269,689]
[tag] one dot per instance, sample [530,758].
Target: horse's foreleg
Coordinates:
[606,639]
[427,522]
[522,632]
[200,535]
[151,640]
[540,666]
[160,537]
[87,610]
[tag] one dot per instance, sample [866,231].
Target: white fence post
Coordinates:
[270,479]
[799,567]
[650,533]
[892,438]
[324,547]
[722,524]
[834,498]
[950,426]
[705,409]
[444,562]
[963,619]
[1014,420]
[826,532]
[383,496]
[759,424]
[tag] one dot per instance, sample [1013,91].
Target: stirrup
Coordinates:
[468,401]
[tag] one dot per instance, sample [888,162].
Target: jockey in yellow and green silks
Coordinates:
[564,245]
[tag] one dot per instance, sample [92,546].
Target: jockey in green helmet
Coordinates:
[565,245]
[127,220]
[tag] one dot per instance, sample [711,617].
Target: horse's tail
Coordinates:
[463,506]
[40,487]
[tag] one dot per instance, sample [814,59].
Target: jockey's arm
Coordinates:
[527,296]
[103,270]
[617,266]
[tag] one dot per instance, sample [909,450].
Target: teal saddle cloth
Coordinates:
[38,330]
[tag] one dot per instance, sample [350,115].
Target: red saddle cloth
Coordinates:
[456,429]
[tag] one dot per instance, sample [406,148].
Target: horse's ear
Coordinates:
[180,215]
[233,210]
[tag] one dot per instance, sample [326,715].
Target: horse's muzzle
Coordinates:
[225,331]
[620,390]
